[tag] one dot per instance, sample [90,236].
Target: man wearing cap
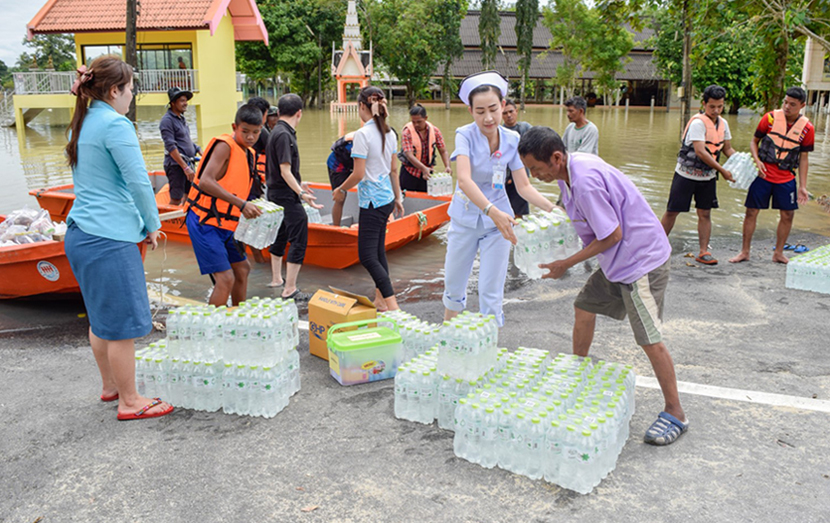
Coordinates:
[179,150]
[273,118]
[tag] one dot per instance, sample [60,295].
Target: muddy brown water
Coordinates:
[641,143]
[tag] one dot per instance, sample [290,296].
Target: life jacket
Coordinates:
[416,143]
[238,180]
[780,146]
[714,143]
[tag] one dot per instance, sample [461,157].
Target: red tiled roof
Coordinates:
[84,16]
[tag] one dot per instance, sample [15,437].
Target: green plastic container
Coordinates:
[364,355]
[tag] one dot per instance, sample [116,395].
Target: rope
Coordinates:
[157,324]
[422,222]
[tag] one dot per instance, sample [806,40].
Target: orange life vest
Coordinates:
[416,143]
[780,146]
[238,181]
[260,167]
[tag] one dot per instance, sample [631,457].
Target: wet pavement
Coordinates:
[338,454]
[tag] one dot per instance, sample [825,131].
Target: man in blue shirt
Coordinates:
[179,149]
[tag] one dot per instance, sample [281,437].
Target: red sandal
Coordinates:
[142,414]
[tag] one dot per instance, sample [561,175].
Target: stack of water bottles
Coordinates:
[439,184]
[312,213]
[468,346]
[810,271]
[243,361]
[417,336]
[261,231]
[542,238]
[567,425]
[743,170]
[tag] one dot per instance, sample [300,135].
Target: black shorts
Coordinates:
[519,204]
[412,183]
[336,179]
[682,190]
[179,184]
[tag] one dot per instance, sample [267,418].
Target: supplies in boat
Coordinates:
[25,226]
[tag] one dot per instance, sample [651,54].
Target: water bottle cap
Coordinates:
[488,410]
[459,380]
[563,417]
[571,428]
[229,314]
[412,371]
[601,420]
[554,423]
[185,361]
[446,377]
[507,412]
[425,373]
[472,383]
[208,364]
[520,415]
[254,367]
[228,365]
[609,415]
[594,426]
[542,414]
[463,401]
[586,433]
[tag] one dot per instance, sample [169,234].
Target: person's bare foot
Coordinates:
[780,258]
[742,257]
[276,283]
[380,305]
[128,408]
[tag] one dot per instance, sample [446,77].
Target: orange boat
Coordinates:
[328,246]
[38,268]
[35,268]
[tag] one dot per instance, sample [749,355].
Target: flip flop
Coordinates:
[109,398]
[800,248]
[297,296]
[142,414]
[272,285]
[665,430]
[706,259]
[787,247]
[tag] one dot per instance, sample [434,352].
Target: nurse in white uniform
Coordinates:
[481,218]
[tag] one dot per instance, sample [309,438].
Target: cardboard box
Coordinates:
[327,308]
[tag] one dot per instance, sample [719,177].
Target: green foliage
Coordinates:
[569,22]
[489,31]
[59,47]
[448,16]
[527,16]
[300,33]
[610,43]
[405,41]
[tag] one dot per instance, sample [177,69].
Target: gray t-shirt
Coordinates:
[520,127]
[582,140]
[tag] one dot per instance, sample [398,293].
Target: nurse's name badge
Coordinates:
[499,172]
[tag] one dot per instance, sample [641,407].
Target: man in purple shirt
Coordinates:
[619,228]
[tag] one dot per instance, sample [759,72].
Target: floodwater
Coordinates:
[640,142]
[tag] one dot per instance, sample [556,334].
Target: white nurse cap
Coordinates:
[493,78]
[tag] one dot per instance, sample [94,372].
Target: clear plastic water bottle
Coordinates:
[489,437]
[460,422]
[445,402]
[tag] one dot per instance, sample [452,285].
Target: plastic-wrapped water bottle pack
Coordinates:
[440,184]
[313,214]
[260,232]
[243,361]
[810,271]
[743,170]
[542,238]
[562,419]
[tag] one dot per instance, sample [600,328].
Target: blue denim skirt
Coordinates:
[111,276]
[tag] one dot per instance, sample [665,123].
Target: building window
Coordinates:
[165,56]
[91,52]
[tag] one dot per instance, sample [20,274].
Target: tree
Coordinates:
[448,16]
[489,32]
[59,47]
[610,41]
[569,22]
[301,33]
[405,41]
[527,16]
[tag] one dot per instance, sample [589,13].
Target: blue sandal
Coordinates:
[665,430]
[800,248]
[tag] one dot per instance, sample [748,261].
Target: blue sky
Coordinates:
[16,14]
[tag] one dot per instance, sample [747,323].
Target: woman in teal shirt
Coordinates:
[114,210]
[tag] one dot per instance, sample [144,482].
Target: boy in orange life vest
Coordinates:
[705,137]
[218,197]
[780,146]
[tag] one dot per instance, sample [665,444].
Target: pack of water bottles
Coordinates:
[213,385]
[258,332]
[743,170]
[563,419]
[261,231]
[810,271]
[417,336]
[468,345]
[542,238]
[440,184]
[242,360]
[312,213]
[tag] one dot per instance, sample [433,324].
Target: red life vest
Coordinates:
[780,146]
[238,181]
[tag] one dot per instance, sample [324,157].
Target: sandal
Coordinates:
[142,414]
[800,248]
[297,296]
[706,259]
[665,430]
[109,398]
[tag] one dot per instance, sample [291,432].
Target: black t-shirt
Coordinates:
[262,141]
[282,148]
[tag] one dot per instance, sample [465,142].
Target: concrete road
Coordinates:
[338,454]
